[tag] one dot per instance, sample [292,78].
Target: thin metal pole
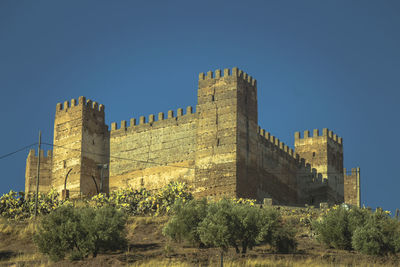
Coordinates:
[37,177]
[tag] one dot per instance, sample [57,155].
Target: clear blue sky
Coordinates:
[333,64]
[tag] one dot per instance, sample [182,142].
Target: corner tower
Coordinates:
[227,114]
[80,144]
[325,154]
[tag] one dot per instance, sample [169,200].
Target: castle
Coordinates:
[219,150]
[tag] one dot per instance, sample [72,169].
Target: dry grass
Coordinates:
[6,227]
[26,259]
[260,263]
[156,262]
[27,231]
[296,263]
[22,230]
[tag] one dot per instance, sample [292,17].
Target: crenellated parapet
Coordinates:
[151,119]
[289,154]
[67,105]
[33,154]
[218,149]
[278,145]
[235,73]
[326,133]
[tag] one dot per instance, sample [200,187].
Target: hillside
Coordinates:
[148,247]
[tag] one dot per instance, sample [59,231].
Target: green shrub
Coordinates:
[336,227]
[380,235]
[104,228]
[184,221]
[59,233]
[228,223]
[80,231]
[333,230]
[218,228]
[275,232]
[374,233]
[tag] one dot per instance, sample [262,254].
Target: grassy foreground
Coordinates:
[148,247]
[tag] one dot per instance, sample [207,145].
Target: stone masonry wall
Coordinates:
[277,170]
[352,187]
[153,153]
[216,134]
[325,154]
[79,132]
[95,149]
[31,172]
[219,150]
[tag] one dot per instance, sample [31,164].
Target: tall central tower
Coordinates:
[227,117]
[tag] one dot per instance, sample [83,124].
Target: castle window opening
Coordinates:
[313,154]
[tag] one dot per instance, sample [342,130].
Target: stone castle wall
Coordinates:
[219,150]
[155,152]
[325,154]
[31,171]
[352,188]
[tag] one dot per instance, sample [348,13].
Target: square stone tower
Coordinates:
[325,154]
[227,116]
[80,143]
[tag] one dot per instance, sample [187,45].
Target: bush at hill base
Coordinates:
[379,235]
[228,223]
[78,232]
[374,233]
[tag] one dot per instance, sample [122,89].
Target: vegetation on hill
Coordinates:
[92,227]
[374,233]
[228,223]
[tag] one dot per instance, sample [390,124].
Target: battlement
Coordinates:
[325,134]
[277,143]
[81,102]
[304,167]
[216,148]
[32,153]
[354,171]
[217,74]
[152,119]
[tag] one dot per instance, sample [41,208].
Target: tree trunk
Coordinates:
[237,249]
[244,247]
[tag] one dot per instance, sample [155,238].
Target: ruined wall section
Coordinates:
[31,172]
[216,134]
[153,153]
[325,154]
[352,193]
[72,131]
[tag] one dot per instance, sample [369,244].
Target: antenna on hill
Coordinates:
[38,173]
